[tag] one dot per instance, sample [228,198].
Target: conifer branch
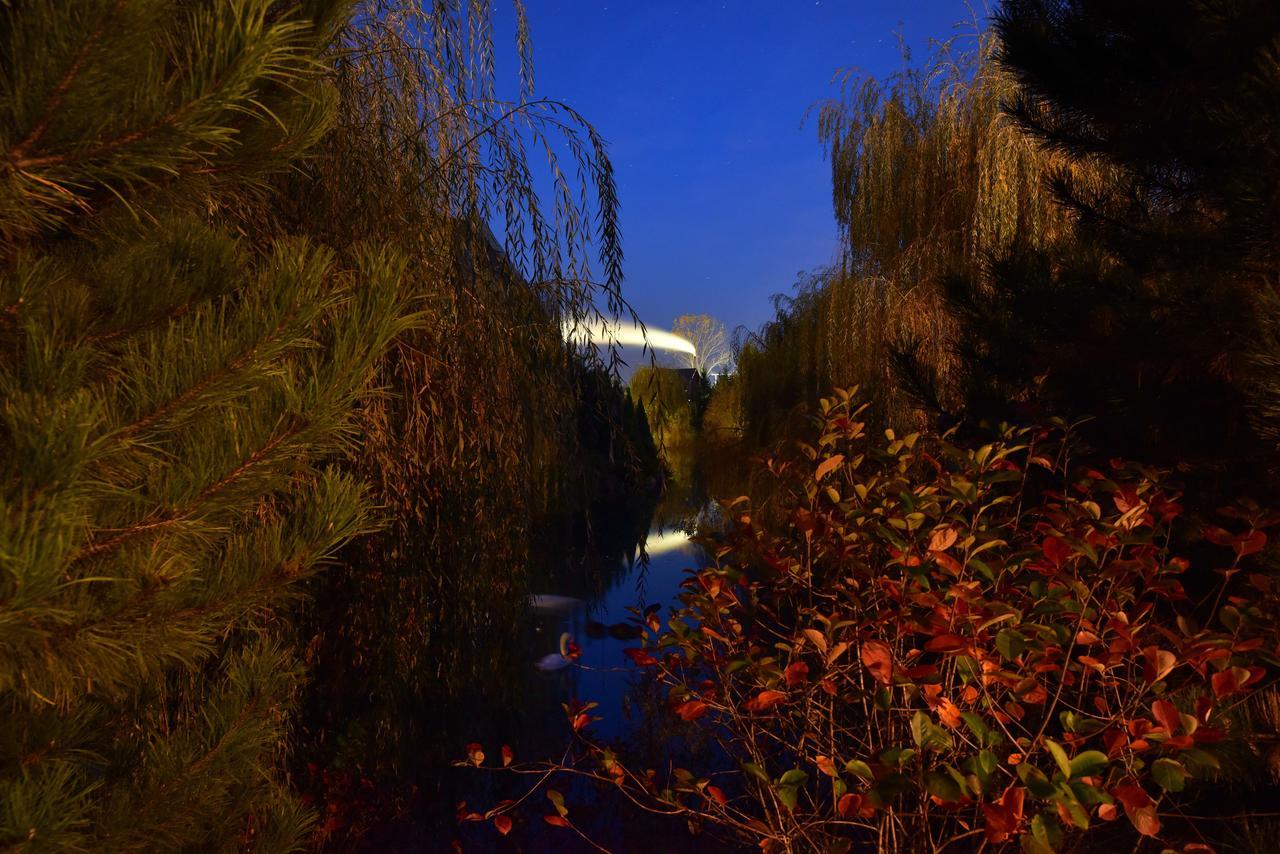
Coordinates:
[123,535]
[16,153]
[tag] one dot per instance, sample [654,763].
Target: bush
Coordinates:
[916,644]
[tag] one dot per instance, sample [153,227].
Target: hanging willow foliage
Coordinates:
[929,180]
[506,210]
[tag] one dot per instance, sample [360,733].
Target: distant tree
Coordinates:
[665,396]
[709,337]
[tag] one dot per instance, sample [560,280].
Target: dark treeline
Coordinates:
[1075,215]
[280,412]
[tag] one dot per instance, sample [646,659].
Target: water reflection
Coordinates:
[386,721]
[602,629]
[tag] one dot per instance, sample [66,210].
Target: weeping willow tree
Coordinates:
[930,179]
[506,211]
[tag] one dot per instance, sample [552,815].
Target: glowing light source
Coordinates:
[628,335]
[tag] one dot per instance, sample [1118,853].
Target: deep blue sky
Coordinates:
[724,189]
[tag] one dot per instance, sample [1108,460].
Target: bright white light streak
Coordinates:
[628,335]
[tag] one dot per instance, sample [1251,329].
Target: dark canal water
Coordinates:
[385,771]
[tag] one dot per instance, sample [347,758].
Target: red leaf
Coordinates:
[507,755]
[942,539]
[764,701]
[826,766]
[1012,801]
[1229,681]
[1000,824]
[581,721]
[1056,550]
[503,824]
[877,658]
[949,713]
[796,673]
[853,805]
[948,563]
[1218,536]
[1167,715]
[1247,544]
[945,643]
[691,710]
[717,795]
[475,753]
[827,466]
[640,657]
[1145,820]
[1138,807]
[556,820]
[1156,663]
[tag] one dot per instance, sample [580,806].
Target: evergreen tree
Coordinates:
[1154,316]
[169,394]
[1182,97]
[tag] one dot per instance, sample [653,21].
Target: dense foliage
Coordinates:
[916,643]
[929,180]
[216,220]
[1157,316]
[171,395]
[1077,217]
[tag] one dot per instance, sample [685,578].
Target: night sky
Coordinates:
[724,189]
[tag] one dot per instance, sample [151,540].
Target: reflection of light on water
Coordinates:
[665,541]
[628,334]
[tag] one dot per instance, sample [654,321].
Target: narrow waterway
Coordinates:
[388,773]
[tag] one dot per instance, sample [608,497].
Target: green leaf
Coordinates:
[1079,815]
[985,735]
[756,771]
[1089,795]
[789,795]
[1046,831]
[889,787]
[1088,763]
[942,786]
[859,768]
[1169,774]
[1010,644]
[928,735]
[794,777]
[1200,761]
[982,766]
[1035,780]
[1059,756]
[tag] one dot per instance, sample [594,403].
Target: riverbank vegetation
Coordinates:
[918,645]
[256,324]
[991,627]
[288,419]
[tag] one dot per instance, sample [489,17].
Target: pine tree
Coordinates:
[171,396]
[1181,97]
[1153,316]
